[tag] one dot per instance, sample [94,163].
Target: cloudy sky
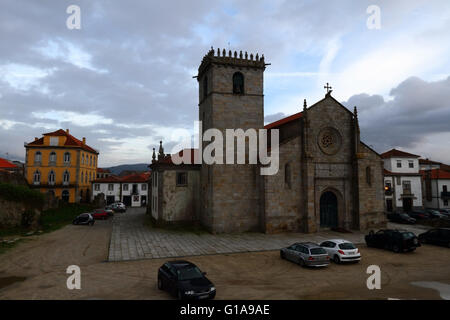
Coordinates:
[124,80]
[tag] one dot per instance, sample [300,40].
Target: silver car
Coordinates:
[306,254]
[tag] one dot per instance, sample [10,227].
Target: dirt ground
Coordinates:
[36,269]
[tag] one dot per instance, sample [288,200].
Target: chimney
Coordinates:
[35,138]
[84,140]
[67,130]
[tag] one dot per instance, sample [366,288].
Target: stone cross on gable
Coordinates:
[328,87]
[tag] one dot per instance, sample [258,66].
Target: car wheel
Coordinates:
[301,262]
[336,259]
[448,244]
[281,255]
[160,284]
[423,240]
[396,248]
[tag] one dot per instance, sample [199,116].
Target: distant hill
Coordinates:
[128,167]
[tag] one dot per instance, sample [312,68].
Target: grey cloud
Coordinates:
[418,108]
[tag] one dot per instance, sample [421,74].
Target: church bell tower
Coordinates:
[230,97]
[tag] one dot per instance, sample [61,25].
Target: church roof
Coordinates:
[394,153]
[283,121]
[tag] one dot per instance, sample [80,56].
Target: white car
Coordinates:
[341,250]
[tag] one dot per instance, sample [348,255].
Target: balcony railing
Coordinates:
[445,195]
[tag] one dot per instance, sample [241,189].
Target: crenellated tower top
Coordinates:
[235,59]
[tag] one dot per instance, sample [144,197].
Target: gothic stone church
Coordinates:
[327,177]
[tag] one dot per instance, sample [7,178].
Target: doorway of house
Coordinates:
[127,201]
[407,204]
[328,210]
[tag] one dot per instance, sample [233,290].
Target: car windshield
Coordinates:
[346,246]
[404,215]
[408,235]
[189,273]
[317,251]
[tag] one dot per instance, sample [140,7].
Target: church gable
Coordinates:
[330,131]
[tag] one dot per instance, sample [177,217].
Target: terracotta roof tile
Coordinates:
[436,174]
[6,164]
[284,121]
[70,141]
[394,153]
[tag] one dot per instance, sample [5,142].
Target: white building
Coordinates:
[402,180]
[132,190]
[436,184]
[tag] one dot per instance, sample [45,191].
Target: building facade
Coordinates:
[327,177]
[60,164]
[132,190]
[402,180]
[436,186]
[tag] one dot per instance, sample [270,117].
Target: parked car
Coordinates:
[109,210]
[100,214]
[184,280]
[439,236]
[419,215]
[306,254]
[118,207]
[84,218]
[435,214]
[400,218]
[445,212]
[341,250]
[393,239]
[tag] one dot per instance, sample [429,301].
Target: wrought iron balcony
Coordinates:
[445,195]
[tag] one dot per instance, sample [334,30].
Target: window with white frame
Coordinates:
[67,157]
[97,187]
[66,177]
[111,187]
[125,187]
[143,187]
[51,177]
[410,163]
[37,157]
[52,158]
[54,141]
[399,163]
[37,177]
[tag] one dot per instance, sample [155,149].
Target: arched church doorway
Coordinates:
[328,210]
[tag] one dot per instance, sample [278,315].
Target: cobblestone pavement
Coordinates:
[132,240]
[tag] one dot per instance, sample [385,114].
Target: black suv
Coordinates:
[184,280]
[393,239]
[439,236]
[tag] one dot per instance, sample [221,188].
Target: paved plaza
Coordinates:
[132,240]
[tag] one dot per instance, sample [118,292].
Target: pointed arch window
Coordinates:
[238,83]
[82,177]
[37,157]
[82,158]
[51,178]
[37,177]
[66,177]
[52,158]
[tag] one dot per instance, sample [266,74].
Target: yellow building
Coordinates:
[61,164]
